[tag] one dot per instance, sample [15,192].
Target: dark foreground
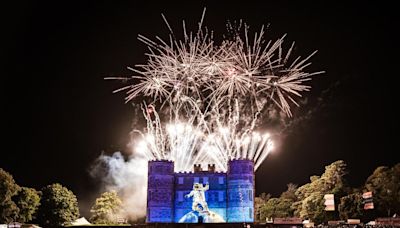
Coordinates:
[234,225]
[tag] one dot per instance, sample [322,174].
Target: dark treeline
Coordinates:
[307,201]
[53,206]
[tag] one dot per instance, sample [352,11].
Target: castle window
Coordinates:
[180,180]
[250,195]
[180,196]
[220,196]
[250,213]
[220,180]
[196,180]
[205,180]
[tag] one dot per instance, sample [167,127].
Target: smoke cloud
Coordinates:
[126,176]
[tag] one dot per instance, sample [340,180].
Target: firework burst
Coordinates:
[214,94]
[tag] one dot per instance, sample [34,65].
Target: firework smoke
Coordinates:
[128,178]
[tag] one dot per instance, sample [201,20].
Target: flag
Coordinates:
[329,202]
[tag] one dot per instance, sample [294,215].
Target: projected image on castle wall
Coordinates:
[200,210]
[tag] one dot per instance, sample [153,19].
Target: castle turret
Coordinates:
[240,191]
[160,191]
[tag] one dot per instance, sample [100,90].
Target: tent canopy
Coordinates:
[80,222]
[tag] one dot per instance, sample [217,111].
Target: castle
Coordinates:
[200,196]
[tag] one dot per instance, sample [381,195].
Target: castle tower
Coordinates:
[240,191]
[160,191]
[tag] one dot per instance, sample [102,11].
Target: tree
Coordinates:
[302,193]
[384,183]
[313,207]
[309,196]
[310,203]
[351,206]
[8,188]
[277,208]
[270,210]
[290,192]
[333,178]
[283,208]
[259,203]
[106,208]
[307,189]
[396,188]
[28,201]
[58,206]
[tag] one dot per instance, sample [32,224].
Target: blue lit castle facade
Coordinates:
[200,196]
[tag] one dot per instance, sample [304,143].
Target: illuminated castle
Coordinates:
[200,196]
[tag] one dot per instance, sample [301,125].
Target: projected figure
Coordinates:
[199,200]
[200,211]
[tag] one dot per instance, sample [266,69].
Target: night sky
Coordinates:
[59,114]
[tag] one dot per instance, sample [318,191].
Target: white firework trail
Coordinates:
[214,94]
